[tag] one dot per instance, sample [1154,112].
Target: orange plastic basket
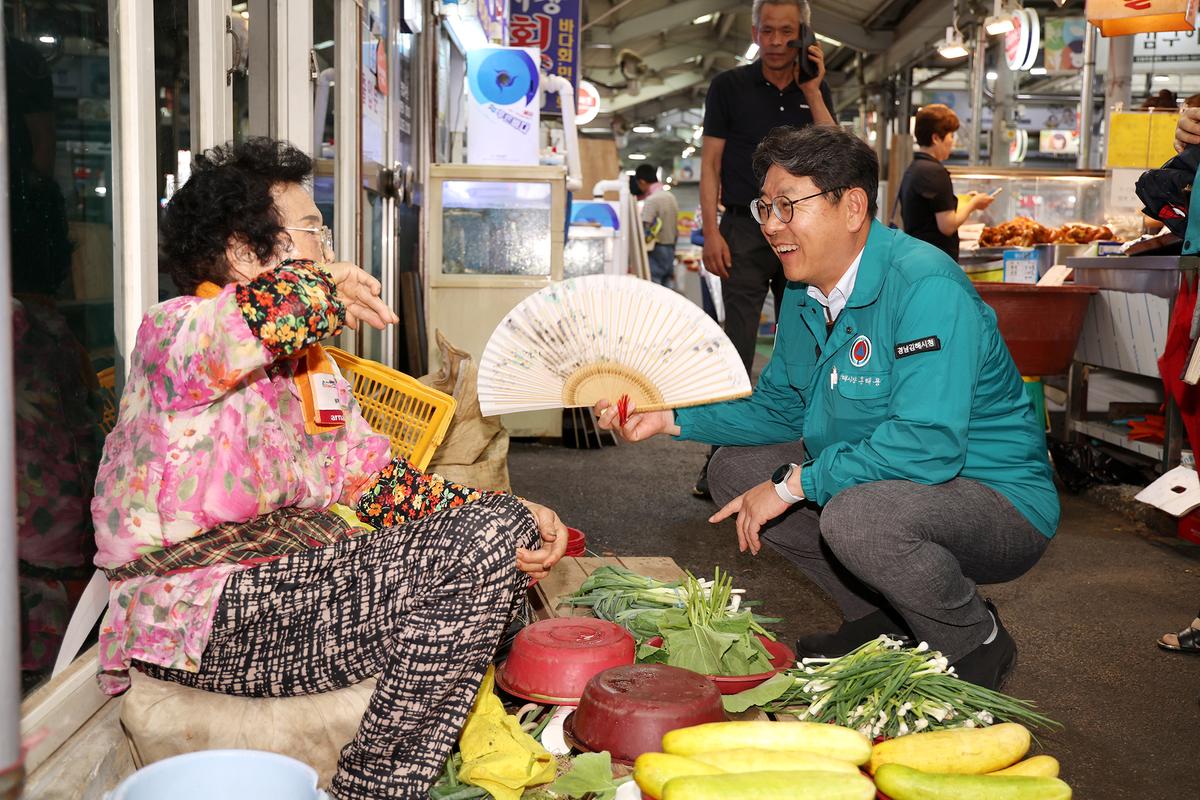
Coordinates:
[413,416]
[108,399]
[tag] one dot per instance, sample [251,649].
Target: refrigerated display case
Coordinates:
[495,236]
[1050,197]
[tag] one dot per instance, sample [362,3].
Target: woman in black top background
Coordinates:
[927,200]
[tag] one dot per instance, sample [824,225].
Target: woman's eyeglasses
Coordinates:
[324,235]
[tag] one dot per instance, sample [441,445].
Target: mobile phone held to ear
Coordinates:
[808,70]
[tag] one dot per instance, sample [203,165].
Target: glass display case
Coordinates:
[495,235]
[1049,197]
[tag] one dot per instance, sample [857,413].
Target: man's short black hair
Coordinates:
[647,173]
[828,156]
[227,195]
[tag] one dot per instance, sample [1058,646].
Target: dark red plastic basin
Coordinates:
[782,657]
[626,710]
[1040,324]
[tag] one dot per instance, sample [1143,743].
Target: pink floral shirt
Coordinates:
[210,431]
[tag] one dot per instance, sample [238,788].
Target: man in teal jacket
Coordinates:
[889,449]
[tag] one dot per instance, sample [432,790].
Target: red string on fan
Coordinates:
[623,409]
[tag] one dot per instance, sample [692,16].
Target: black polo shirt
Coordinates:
[925,190]
[742,107]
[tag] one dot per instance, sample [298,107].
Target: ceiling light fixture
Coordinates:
[1162,78]
[992,75]
[643,129]
[1000,21]
[1037,70]
[952,46]
[827,40]
[637,156]
[703,18]
[47,39]
[751,52]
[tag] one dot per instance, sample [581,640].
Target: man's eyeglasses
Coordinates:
[324,234]
[781,207]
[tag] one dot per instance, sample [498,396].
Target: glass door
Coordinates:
[375,246]
[59,147]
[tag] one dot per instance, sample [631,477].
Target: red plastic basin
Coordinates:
[781,655]
[576,542]
[626,710]
[551,661]
[1040,324]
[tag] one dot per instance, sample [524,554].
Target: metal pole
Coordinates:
[12,772]
[1087,98]
[978,76]
[1118,78]
[1002,107]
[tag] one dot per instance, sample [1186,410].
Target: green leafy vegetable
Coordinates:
[591,773]
[761,695]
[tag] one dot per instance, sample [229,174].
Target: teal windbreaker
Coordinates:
[914,383]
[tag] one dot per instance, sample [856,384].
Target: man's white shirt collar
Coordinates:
[836,300]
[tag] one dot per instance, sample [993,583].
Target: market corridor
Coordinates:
[1085,618]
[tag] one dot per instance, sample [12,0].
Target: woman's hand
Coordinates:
[537,563]
[1187,131]
[980,200]
[359,293]
[754,509]
[638,426]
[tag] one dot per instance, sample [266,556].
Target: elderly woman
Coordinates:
[229,572]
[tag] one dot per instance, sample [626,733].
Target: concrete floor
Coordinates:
[1085,618]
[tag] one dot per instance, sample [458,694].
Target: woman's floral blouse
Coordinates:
[211,431]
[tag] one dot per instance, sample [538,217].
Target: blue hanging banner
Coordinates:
[553,27]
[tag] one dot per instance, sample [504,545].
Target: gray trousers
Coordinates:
[919,550]
[755,268]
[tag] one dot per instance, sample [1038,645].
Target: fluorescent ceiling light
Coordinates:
[596,130]
[47,39]
[953,46]
[998,25]
[631,172]
[1037,70]
[1162,78]
[643,129]
[703,18]
[601,46]
[323,45]
[751,52]
[992,75]
[827,40]
[637,156]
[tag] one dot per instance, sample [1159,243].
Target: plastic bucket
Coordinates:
[222,775]
[1040,324]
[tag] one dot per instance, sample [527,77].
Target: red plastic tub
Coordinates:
[576,542]
[1040,324]
[552,660]
[782,657]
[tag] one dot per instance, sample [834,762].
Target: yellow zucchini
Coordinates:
[967,751]
[904,783]
[756,759]
[813,737]
[652,770]
[773,786]
[1037,766]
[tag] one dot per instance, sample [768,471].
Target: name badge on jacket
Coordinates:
[328,409]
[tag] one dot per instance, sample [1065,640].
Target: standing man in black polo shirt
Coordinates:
[743,105]
[927,200]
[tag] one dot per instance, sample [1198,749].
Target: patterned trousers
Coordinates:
[421,606]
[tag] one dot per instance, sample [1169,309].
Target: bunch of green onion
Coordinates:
[885,689]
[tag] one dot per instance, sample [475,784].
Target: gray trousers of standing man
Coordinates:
[920,550]
[754,268]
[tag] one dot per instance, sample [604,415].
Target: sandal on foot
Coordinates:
[1188,641]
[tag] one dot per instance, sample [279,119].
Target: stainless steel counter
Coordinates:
[1156,275]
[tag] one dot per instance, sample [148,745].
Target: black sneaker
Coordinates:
[851,635]
[989,665]
[701,488]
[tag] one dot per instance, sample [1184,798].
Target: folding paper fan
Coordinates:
[607,337]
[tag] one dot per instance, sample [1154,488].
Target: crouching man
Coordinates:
[889,450]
